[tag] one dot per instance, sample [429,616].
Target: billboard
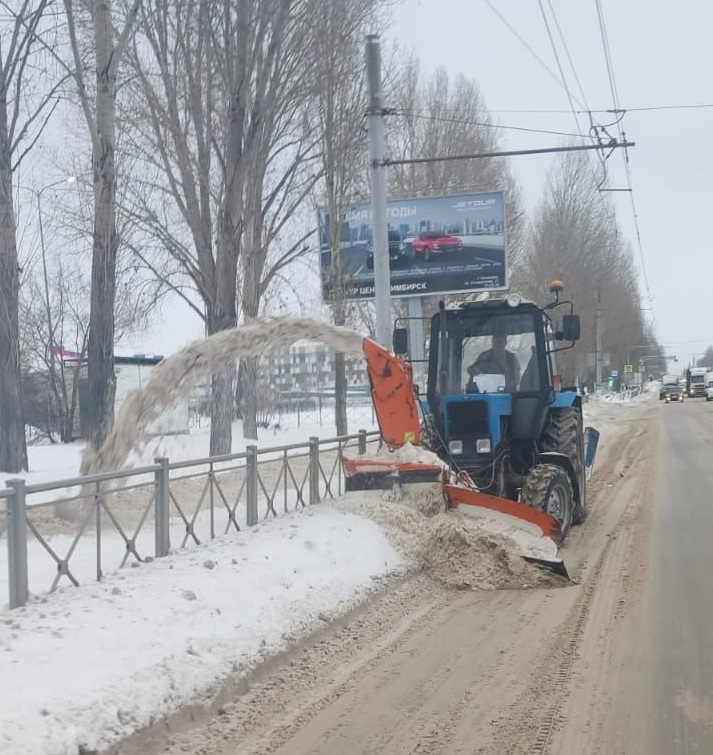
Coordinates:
[437,245]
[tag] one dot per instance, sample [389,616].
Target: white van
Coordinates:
[709,386]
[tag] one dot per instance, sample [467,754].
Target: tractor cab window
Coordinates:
[491,354]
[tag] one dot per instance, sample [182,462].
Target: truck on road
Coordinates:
[696,381]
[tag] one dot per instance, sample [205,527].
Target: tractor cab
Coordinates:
[489,361]
[493,389]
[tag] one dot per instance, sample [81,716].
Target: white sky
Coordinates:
[661,55]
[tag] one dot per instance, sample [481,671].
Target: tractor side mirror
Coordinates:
[570,328]
[400,341]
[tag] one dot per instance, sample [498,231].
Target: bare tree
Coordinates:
[575,237]
[55,298]
[98,102]
[337,112]
[194,66]
[23,114]
[216,123]
[437,117]
[707,359]
[282,170]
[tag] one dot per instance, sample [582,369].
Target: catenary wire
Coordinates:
[627,167]
[528,48]
[412,112]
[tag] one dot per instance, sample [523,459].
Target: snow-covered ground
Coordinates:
[88,666]
[56,462]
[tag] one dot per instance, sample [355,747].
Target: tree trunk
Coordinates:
[229,237]
[340,394]
[250,398]
[100,349]
[222,395]
[221,412]
[13,448]
[239,392]
[251,308]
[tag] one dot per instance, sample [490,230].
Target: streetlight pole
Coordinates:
[38,195]
[45,276]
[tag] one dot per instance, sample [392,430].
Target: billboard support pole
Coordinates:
[598,338]
[375,113]
[415,336]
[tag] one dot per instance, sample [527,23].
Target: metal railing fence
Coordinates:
[72,530]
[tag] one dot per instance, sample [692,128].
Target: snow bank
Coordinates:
[87,667]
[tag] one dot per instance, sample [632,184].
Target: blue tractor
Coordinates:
[496,410]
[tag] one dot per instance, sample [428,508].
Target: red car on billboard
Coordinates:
[430,243]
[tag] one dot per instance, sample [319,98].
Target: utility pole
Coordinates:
[375,113]
[598,339]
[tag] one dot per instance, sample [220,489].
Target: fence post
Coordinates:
[17,544]
[313,470]
[161,506]
[362,441]
[251,485]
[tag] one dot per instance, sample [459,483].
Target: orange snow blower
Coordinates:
[496,427]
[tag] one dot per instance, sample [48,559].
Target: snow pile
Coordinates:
[455,549]
[406,454]
[83,668]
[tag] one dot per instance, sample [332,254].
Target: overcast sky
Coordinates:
[662,54]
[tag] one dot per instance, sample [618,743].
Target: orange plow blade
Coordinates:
[536,527]
[548,525]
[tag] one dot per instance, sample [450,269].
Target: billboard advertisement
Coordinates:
[437,245]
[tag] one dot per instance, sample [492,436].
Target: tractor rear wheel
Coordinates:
[564,434]
[548,488]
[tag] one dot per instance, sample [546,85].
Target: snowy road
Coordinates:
[646,672]
[424,669]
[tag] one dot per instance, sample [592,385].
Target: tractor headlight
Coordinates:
[482,446]
[513,300]
[455,447]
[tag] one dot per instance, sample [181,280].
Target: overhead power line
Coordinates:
[645,108]
[563,78]
[607,53]
[567,53]
[465,122]
[622,137]
[663,107]
[528,48]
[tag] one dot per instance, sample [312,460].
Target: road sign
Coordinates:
[628,368]
[615,373]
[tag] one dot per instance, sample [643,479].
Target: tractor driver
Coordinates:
[497,360]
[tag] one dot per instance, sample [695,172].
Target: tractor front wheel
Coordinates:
[564,433]
[548,488]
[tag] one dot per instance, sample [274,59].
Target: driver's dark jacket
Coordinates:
[498,363]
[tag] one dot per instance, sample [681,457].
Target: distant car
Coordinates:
[431,243]
[674,393]
[663,389]
[397,251]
